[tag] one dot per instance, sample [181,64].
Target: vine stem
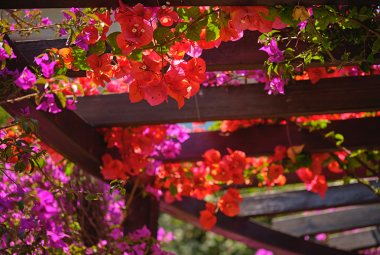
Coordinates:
[8,126]
[8,176]
[321,40]
[132,194]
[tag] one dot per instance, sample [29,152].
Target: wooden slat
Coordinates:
[328,222]
[65,132]
[303,200]
[336,95]
[357,241]
[261,140]
[22,4]
[228,56]
[248,232]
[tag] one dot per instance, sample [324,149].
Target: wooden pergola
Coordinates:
[74,135]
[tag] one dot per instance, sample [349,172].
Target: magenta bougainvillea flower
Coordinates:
[26,79]
[49,103]
[48,69]
[274,52]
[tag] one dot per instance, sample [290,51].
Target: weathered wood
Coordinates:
[261,140]
[23,4]
[303,200]
[143,212]
[328,222]
[228,56]
[335,95]
[65,132]
[253,234]
[356,241]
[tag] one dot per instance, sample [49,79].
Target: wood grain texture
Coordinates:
[251,233]
[261,140]
[23,4]
[329,222]
[65,132]
[357,241]
[303,200]
[335,95]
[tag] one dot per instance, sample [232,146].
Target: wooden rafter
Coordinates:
[261,140]
[23,4]
[356,241]
[329,222]
[335,95]
[246,231]
[228,56]
[303,200]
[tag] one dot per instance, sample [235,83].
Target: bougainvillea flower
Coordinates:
[275,171]
[275,55]
[49,103]
[26,79]
[249,18]
[46,22]
[138,32]
[107,22]
[226,33]
[228,203]
[136,93]
[334,167]
[208,219]
[211,156]
[145,70]
[305,175]
[279,153]
[91,34]
[70,104]
[319,185]
[67,57]
[318,158]
[167,16]
[81,41]
[48,69]
[103,63]
[43,59]
[208,45]
[315,74]
[125,14]
[156,92]
[125,45]
[275,85]
[155,192]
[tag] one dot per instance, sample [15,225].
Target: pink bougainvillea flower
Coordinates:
[43,59]
[156,192]
[275,54]
[48,69]
[70,104]
[46,22]
[276,85]
[26,79]
[49,103]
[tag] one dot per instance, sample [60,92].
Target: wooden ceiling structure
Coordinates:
[74,135]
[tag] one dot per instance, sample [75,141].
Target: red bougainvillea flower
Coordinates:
[138,31]
[101,68]
[208,219]
[146,69]
[279,153]
[294,151]
[318,158]
[167,16]
[92,34]
[106,23]
[228,203]
[334,167]
[112,168]
[156,92]
[65,53]
[208,45]
[226,33]
[125,14]
[275,171]
[319,185]
[249,18]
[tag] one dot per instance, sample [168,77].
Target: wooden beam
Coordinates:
[329,222]
[261,140]
[303,200]
[65,132]
[335,95]
[251,233]
[25,4]
[357,241]
[228,56]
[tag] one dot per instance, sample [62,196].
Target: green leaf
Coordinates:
[72,15]
[193,37]
[8,50]
[80,58]
[93,16]
[345,56]
[91,197]
[111,40]
[194,11]
[340,139]
[3,63]
[100,48]
[69,196]
[136,55]
[80,87]
[370,58]
[62,77]
[212,32]
[62,98]
[365,66]
[327,45]
[20,205]
[272,13]
[376,46]
[181,27]
[173,190]
[183,13]
[162,34]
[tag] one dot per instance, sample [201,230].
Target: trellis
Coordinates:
[74,135]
